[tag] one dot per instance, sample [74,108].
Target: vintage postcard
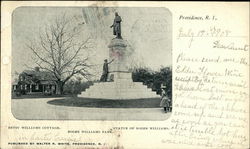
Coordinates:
[124,75]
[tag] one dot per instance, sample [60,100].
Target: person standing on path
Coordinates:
[164,99]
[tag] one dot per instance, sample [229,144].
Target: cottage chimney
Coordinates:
[36,69]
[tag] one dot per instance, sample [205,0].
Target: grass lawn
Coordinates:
[107,103]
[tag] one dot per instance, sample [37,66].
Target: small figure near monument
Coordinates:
[165,101]
[105,72]
[117,26]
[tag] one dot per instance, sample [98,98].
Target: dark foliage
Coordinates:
[76,87]
[154,79]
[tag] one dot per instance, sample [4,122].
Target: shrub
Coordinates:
[154,79]
[76,87]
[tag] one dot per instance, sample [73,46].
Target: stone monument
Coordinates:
[120,84]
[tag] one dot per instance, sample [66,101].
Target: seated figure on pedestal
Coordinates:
[105,72]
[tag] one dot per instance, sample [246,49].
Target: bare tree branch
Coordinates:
[38,55]
[59,50]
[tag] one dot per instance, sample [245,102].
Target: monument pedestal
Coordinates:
[120,84]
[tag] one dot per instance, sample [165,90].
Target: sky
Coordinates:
[147,30]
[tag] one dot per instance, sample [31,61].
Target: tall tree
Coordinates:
[61,49]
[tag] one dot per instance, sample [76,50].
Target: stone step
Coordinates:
[117,83]
[120,94]
[140,87]
[120,97]
[122,88]
[118,90]
[118,87]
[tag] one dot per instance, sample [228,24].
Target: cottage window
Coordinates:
[21,87]
[37,86]
[25,86]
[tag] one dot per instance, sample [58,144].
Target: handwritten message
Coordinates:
[211,92]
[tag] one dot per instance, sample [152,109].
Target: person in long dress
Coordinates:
[164,100]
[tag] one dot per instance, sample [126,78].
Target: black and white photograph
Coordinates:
[124,75]
[91,63]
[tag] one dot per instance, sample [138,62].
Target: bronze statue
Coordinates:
[117,26]
[105,72]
